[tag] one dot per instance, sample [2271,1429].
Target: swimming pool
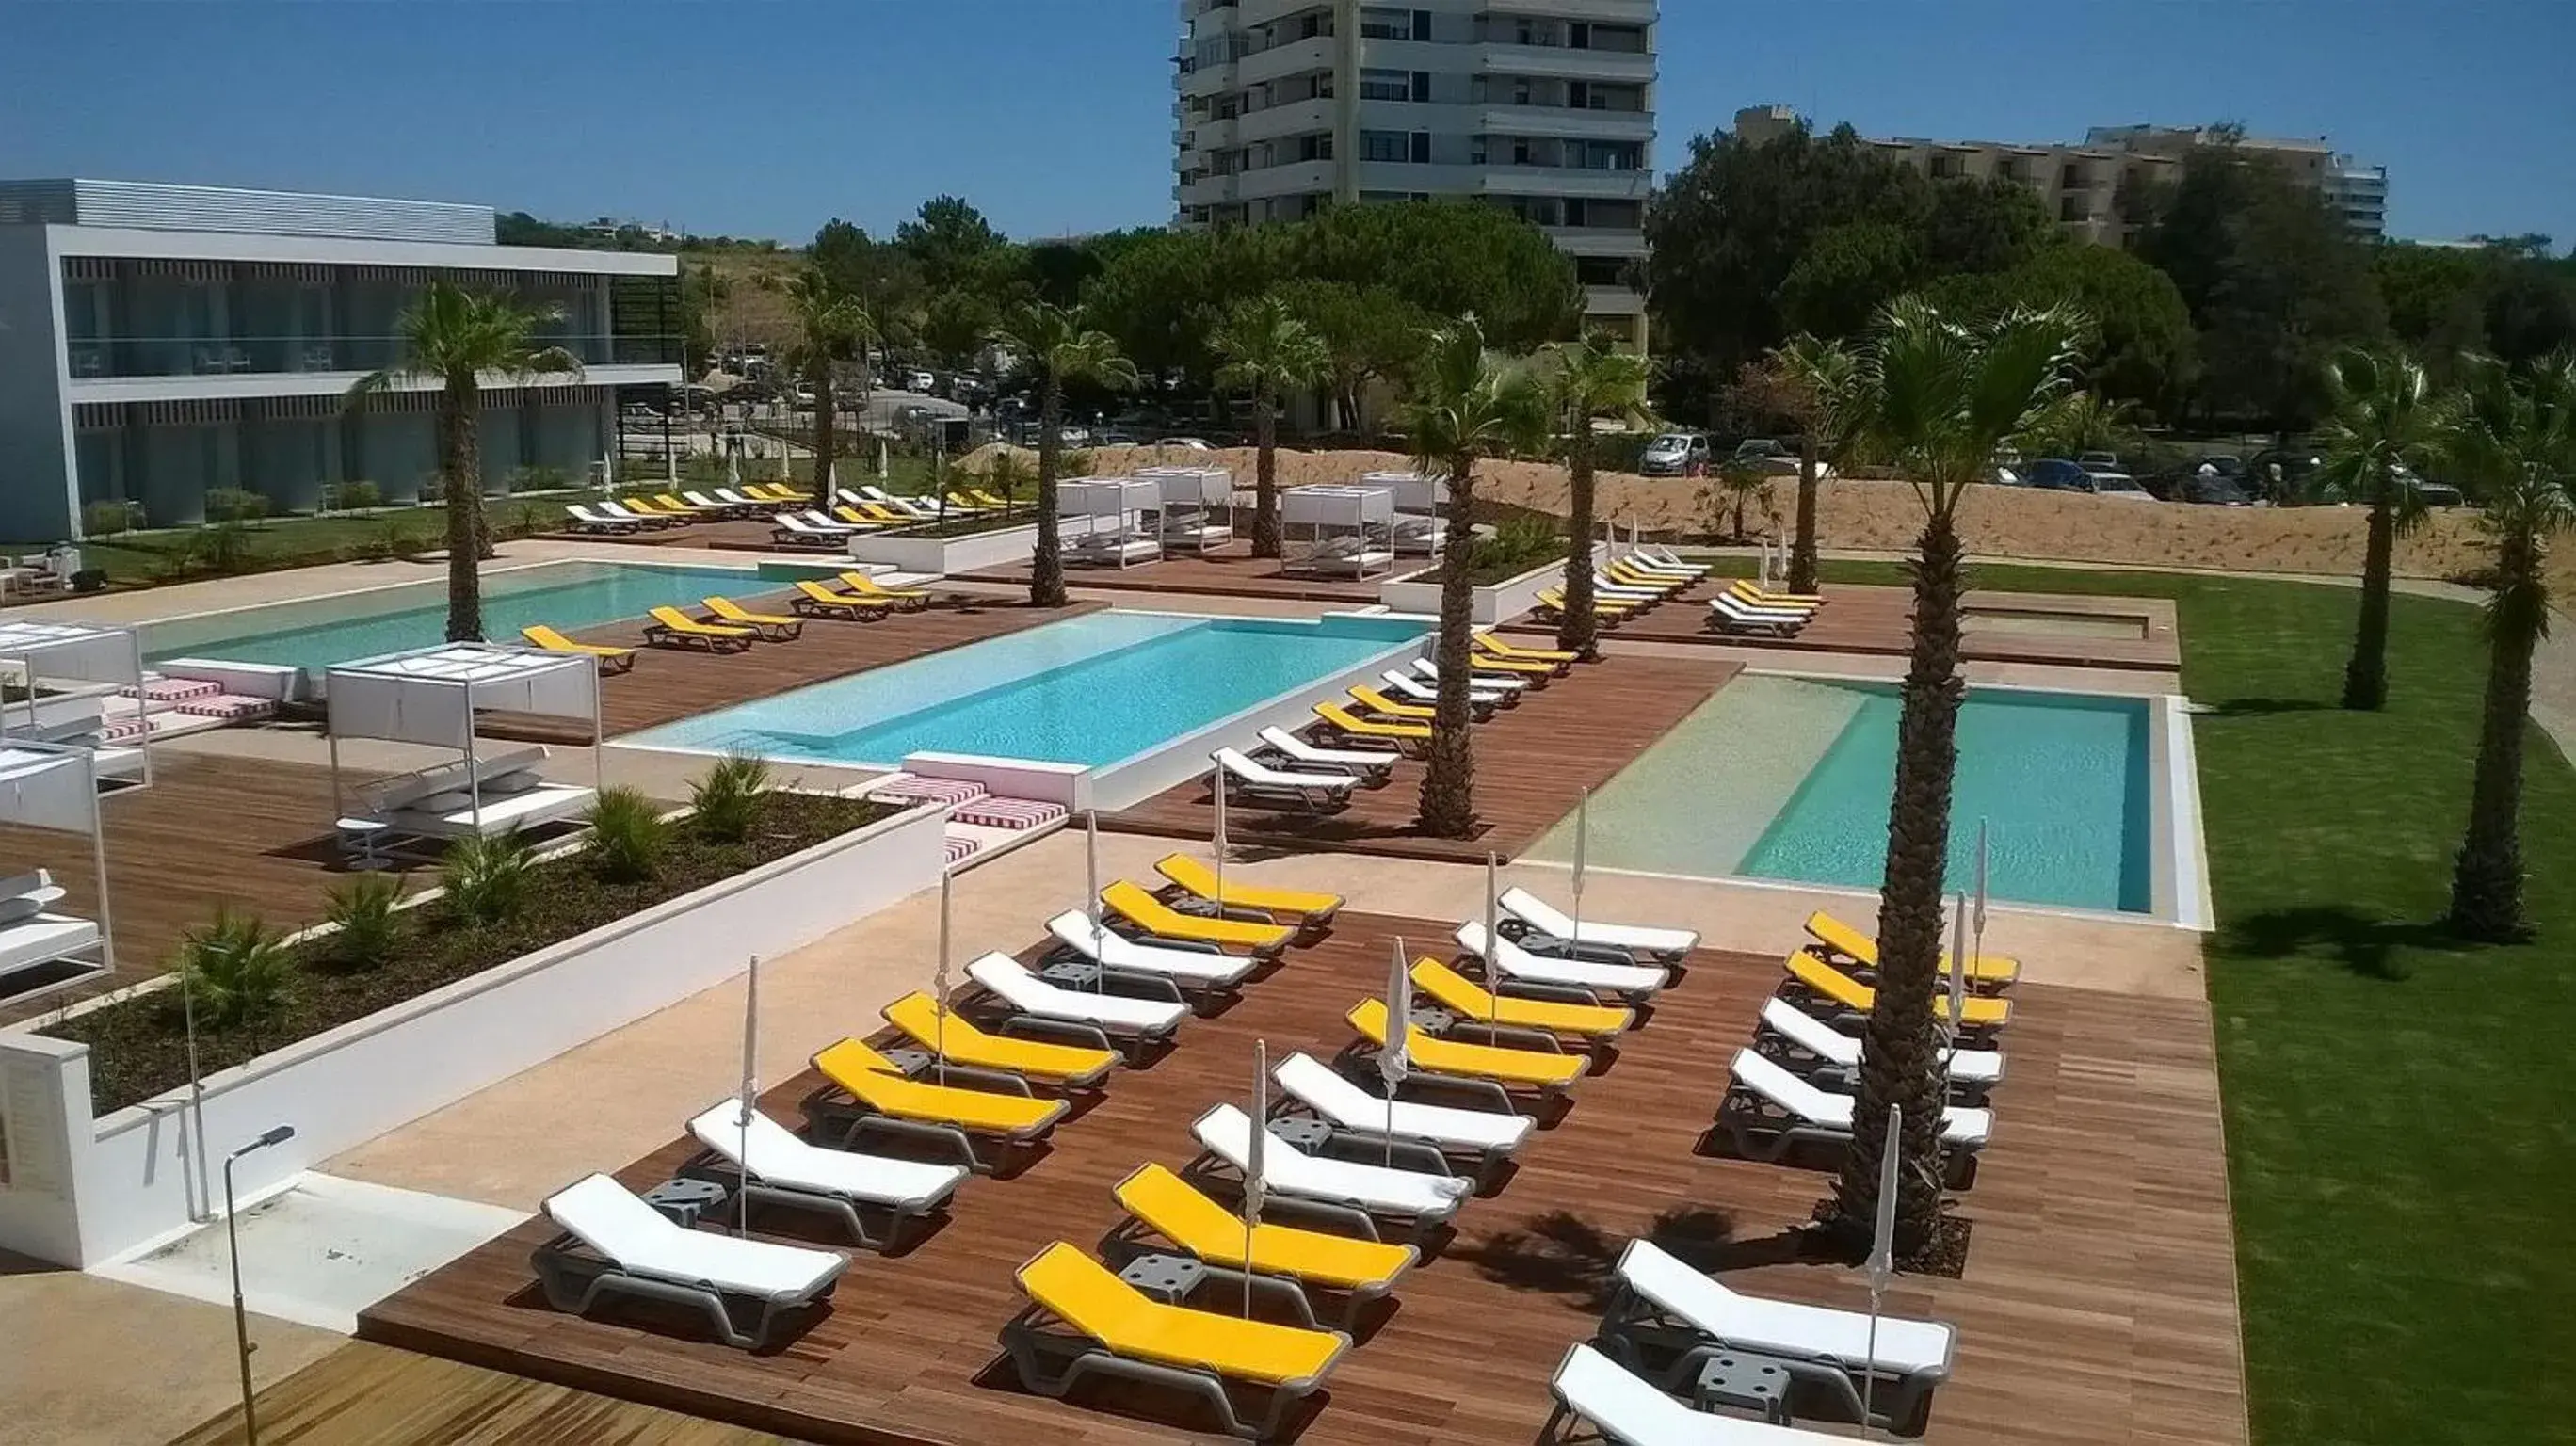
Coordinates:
[1092,690]
[314,633]
[1790,778]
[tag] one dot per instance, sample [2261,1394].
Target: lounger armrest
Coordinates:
[1347,1217]
[1375,1147]
[1001,1081]
[1487,1094]
[1547,947]
[1547,993]
[1026,1025]
[1511,1036]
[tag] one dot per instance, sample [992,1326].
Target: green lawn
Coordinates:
[2401,1125]
[142,559]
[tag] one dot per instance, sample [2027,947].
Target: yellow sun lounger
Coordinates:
[771,492]
[1532,1068]
[1469,1000]
[1199,881]
[865,1090]
[982,498]
[1072,1066]
[775,628]
[813,597]
[672,628]
[910,599]
[1408,737]
[674,505]
[1842,943]
[1174,1208]
[611,660]
[1383,705]
[1085,1321]
[856,518]
[1755,593]
[1537,673]
[1977,1012]
[1129,901]
[1515,652]
[1623,576]
[1554,600]
[646,507]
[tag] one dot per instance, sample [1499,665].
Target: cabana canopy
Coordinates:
[1414,493]
[1192,486]
[1111,497]
[77,652]
[430,695]
[1112,510]
[1346,508]
[1338,529]
[55,786]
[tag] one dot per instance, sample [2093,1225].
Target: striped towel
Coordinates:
[230,706]
[1010,813]
[124,730]
[960,850]
[158,689]
[911,788]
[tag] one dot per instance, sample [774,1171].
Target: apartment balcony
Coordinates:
[1208,80]
[1297,118]
[1566,64]
[1212,135]
[1606,12]
[1250,13]
[1565,123]
[1295,179]
[1281,61]
[104,359]
[1569,181]
[1207,191]
[1626,243]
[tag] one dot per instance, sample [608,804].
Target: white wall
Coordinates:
[941,556]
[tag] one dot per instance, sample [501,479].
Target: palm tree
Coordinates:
[829,324]
[2515,450]
[1937,398]
[1812,383]
[1269,352]
[1464,404]
[2387,422]
[1587,379]
[1060,347]
[456,338]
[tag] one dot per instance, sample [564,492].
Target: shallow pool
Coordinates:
[1090,690]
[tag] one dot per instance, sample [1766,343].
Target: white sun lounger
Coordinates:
[1666,945]
[1661,1298]
[1409,688]
[705,503]
[641,519]
[589,521]
[747,503]
[1189,968]
[1012,982]
[1769,1111]
[1424,1199]
[1510,961]
[1298,750]
[1640,563]
[787,1171]
[1728,615]
[1624,1409]
[1491,1134]
[1978,1068]
[633,1249]
[1253,782]
[917,506]
[1476,682]
[1670,561]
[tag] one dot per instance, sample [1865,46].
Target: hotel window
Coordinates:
[1386,85]
[1385,146]
[1380,22]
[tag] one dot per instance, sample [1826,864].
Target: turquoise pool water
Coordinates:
[318,632]
[1090,690]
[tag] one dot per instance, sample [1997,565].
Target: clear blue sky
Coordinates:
[766,117]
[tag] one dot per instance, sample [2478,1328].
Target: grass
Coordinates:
[2401,1127]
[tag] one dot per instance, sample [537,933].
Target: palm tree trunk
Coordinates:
[1900,1051]
[2486,885]
[1802,551]
[460,463]
[1265,475]
[2365,677]
[826,441]
[1046,568]
[1578,630]
[1448,807]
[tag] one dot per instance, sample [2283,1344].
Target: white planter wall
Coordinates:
[81,1192]
[1507,599]
[948,555]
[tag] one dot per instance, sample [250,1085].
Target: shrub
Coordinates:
[399,538]
[627,835]
[237,972]
[225,546]
[727,800]
[486,878]
[1517,545]
[370,925]
[357,496]
[107,519]
[1076,464]
[539,479]
[234,504]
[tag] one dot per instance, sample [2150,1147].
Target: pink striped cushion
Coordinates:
[229,705]
[960,849]
[929,790]
[174,690]
[124,730]
[1010,813]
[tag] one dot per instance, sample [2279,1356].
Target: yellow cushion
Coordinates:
[1151,914]
[874,1082]
[1850,943]
[680,622]
[1481,1061]
[1196,877]
[1349,722]
[1455,991]
[1199,1225]
[1850,993]
[918,1015]
[1112,1312]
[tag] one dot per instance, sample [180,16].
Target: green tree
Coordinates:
[1938,397]
[455,338]
[2141,349]
[951,243]
[1586,379]
[1270,353]
[1163,296]
[1448,258]
[2387,422]
[829,325]
[1993,224]
[1465,404]
[1847,275]
[2514,449]
[2083,422]
[1368,335]
[1815,385]
[1060,346]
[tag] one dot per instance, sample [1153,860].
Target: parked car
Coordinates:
[2429,492]
[920,381]
[2098,461]
[2213,490]
[2057,474]
[2120,486]
[1675,454]
[1186,444]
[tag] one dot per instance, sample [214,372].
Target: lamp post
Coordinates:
[276,1135]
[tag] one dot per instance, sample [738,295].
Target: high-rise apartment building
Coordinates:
[1543,107]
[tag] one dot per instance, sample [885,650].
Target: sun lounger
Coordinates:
[1129,900]
[1768,1112]
[1407,737]
[682,507]
[915,506]
[1190,968]
[1371,766]
[1661,1302]
[649,507]
[1977,1012]
[1490,1136]
[586,520]
[1665,557]
[1638,562]
[619,510]
[1084,1321]
[1386,707]
[865,1091]
[1509,689]
[1480,704]
[1311,911]
[1553,659]
[1760,596]
[1610,611]
[1637,583]
[1589,1386]
[1726,615]
[957,1040]
[615,1244]
[1247,781]
[715,505]
[750,505]
[1548,1072]
[611,660]
[1512,963]
[909,599]
[1479,1007]
[775,628]
[671,628]
[1649,944]
[1831,1056]
[1031,998]
[1842,944]
[1163,1204]
[786,1171]
[777,492]
[815,600]
[789,529]
[1642,598]
[1421,1199]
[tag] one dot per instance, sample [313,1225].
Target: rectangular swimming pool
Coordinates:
[314,633]
[1091,690]
[1790,779]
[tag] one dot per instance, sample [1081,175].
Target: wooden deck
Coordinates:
[1878,620]
[1532,763]
[2098,1306]
[1231,571]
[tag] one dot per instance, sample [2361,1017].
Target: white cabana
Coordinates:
[1198,506]
[95,662]
[50,786]
[1342,531]
[1110,521]
[430,696]
[1418,501]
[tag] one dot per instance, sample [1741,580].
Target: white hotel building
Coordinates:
[158,342]
[1543,107]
